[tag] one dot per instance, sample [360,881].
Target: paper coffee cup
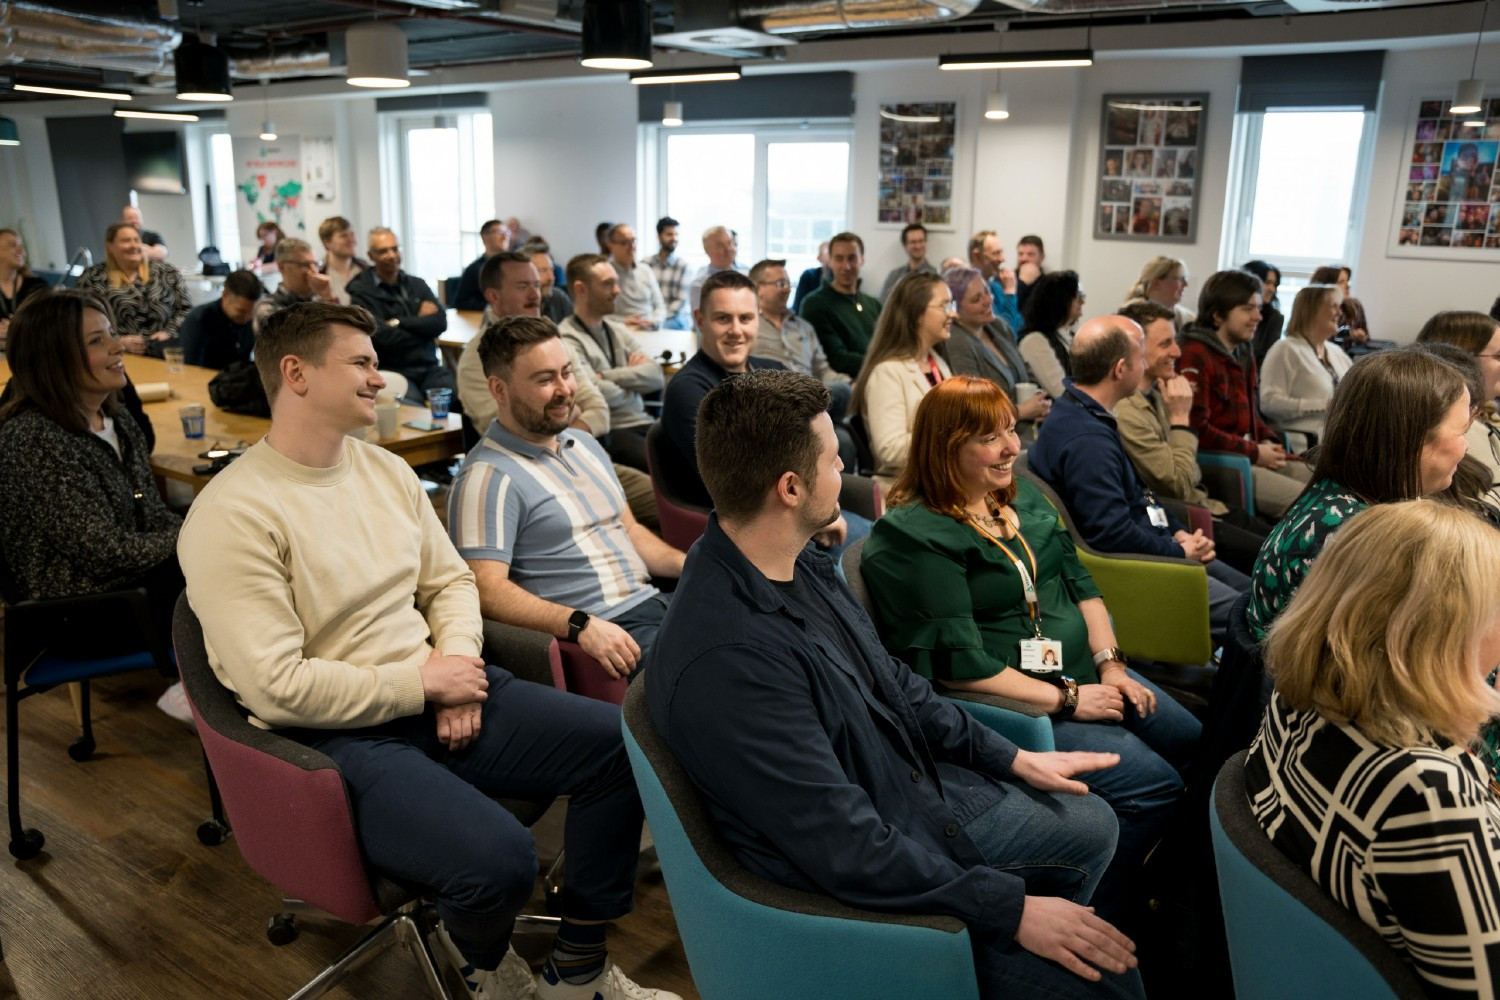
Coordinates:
[387,420]
[1025,390]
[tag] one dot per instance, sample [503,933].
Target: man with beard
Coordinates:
[540,517]
[671,274]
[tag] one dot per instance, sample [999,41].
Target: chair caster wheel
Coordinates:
[212,833]
[81,749]
[27,845]
[282,929]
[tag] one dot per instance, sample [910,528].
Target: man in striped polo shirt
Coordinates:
[540,517]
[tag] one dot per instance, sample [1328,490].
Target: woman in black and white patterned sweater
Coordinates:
[1362,773]
[148,298]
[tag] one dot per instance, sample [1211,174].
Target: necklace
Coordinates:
[995,520]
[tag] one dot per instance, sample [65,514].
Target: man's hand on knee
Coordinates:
[453,680]
[1070,935]
[457,725]
[611,645]
[1053,771]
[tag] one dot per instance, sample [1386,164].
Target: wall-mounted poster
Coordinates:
[1148,167]
[269,185]
[916,164]
[1449,197]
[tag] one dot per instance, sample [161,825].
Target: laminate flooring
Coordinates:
[124,903]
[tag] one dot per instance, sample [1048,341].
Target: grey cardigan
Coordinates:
[79,518]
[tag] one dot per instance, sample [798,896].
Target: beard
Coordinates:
[538,420]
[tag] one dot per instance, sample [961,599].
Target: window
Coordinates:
[1293,197]
[782,189]
[445,190]
[225,208]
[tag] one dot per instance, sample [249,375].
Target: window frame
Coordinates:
[1239,202]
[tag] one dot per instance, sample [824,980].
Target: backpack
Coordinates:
[238,389]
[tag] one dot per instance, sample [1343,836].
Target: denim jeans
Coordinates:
[427,815]
[644,620]
[1061,845]
[1225,585]
[1155,751]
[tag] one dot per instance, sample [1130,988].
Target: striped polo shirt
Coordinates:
[555,517]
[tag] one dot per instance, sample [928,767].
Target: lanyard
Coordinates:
[934,375]
[1028,580]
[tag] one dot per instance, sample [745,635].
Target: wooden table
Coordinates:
[669,348]
[175,455]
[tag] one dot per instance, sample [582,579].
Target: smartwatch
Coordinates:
[1070,699]
[577,622]
[1111,653]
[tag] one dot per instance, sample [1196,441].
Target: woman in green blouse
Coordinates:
[1396,431]
[952,568]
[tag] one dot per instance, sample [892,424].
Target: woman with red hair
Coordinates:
[976,582]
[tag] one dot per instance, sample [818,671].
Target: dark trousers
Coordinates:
[1238,538]
[627,446]
[426,815]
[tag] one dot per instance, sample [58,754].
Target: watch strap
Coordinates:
[576,623]
[1070,698]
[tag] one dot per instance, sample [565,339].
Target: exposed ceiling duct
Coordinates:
[1110,6]
[304,62]
[837,15]
[31,32]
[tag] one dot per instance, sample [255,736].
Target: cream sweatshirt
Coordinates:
[323,591]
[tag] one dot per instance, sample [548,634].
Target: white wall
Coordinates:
[28,197]
[565,159]
[1400,293]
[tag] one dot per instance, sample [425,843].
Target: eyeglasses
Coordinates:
[624,242]
[1082,298]
[949,308]
[778,283]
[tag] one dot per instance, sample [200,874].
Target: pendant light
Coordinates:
[202,71]
[671,114]
[1468,97]
[376,52]
[9,134]
[616,34]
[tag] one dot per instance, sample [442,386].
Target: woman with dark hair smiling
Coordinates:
[979,588]
[83,512]
[1396,431]
[1052,313]
[1271,319]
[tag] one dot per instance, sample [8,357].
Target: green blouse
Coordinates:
[1289,550]
[951,603]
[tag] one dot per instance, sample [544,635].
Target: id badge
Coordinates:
[1157,515]
[1041,655]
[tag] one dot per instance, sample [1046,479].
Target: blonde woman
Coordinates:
[1362,773]
[1303,368]
[900,368]
[1163,280]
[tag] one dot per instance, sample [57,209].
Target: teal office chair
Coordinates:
[1289,939]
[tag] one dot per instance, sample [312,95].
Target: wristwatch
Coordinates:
[1110,653]
[1070,698]
[577,622]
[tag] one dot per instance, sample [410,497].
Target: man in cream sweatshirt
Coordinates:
[337,611]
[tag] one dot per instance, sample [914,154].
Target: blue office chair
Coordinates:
[1289,939]
[31,667]
[747,938]
[1229,478]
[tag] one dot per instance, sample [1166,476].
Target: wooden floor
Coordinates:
[124,902]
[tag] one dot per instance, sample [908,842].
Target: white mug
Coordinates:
[1024,391]
[387,420]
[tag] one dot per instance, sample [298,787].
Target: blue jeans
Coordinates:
[1155,751]
[1061,845]
[427,815]
[644,620]
[1225,585]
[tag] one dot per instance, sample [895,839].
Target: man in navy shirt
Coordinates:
[825,763]
[218,333]
[1079,453]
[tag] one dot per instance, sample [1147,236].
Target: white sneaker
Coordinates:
[174,702]
[611,984]
[511,981]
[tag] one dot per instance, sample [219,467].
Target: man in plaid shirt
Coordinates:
[671,274]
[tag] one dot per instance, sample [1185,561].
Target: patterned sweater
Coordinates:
[80,519]
[1293,545]
[1405,838]
[161,303]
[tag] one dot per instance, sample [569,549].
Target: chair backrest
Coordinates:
[730,920]
[286,802]
[1229,476]
[1137,588]
[1289,939]
[850,560]
[682,522]
[1240,693]
[863,453]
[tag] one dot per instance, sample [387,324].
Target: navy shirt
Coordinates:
[679,420]
[211,339]
[1078,451]
[825,771]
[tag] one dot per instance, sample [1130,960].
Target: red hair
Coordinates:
[952,412]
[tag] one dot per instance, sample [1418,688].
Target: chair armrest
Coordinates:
[126,612]
[1027,726]
[526,653]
